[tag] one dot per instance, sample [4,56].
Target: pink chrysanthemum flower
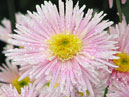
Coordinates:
[98,91]
[118,90]
[45,92]
[10,91]
[10,75]
[122,72]
[64,47]
[111,2]
[5,30]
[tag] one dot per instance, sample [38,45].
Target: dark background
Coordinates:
[24,5]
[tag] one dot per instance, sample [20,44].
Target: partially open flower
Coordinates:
[5,28]
[10,75]
[111,2]
[10,91]
[118,90]
[121,73]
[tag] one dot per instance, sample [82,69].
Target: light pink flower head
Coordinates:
[63,47]
[122,72]
[45,91]
[118,90]
[5,28]
[9,91]
[98,91]
[10,74]
[111,2]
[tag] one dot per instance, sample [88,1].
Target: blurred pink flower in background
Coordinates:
[111,2]
[10,91]
[5,28]
[10,75]
[118,90]
[98,91]
[9,72]
[121,73]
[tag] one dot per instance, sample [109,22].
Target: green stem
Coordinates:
[11,9]
[4,82]
[119,9]
[106,90]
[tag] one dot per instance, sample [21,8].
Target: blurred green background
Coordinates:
[24,5]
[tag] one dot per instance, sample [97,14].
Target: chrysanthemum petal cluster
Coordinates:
[63,47]
[63,52]
[9,91]
[118,90]
[122,72]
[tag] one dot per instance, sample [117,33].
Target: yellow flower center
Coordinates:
[65,46]
[81,94]
[122,62]
[20,84]
[22,47]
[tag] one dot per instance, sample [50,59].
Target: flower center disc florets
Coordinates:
[122,62]
[20,84]
[80,94]
[65,46]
